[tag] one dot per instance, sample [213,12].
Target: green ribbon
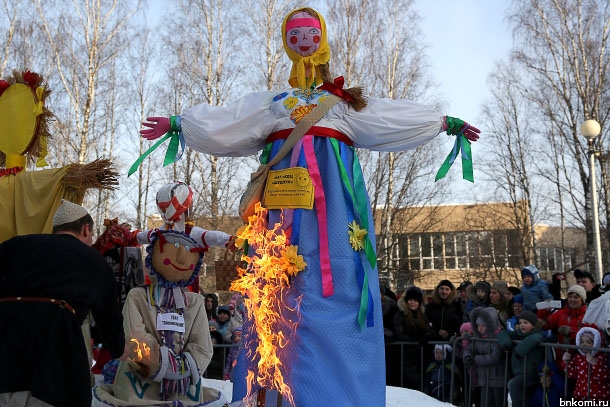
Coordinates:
[171,155]
[360,203]
[462,144]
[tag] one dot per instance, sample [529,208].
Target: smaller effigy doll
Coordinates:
[169,351]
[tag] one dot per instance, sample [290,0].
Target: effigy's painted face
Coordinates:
[303,34]
[175,261]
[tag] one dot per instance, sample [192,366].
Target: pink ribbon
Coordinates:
[314,172]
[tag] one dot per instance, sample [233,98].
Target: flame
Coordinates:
[265,285]
[142,350]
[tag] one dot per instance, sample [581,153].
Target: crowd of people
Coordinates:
[496,331]
[225,322]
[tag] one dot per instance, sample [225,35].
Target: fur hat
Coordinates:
[68,212]
[501,287]
[446,283]
[580,290]
[414,293]
[529,317]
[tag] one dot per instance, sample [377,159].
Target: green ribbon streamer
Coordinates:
[462,144]
[139,161]
[171,155]
[361,208]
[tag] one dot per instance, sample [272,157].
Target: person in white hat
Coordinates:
[48,285]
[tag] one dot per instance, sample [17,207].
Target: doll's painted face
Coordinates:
[303,33]
[173,258]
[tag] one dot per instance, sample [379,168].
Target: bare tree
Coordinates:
[511,162]
[562,47]
[260,32]
[84,38]
[204,67]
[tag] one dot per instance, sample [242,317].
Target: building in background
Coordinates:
[490,241]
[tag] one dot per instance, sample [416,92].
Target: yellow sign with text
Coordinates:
[289,188]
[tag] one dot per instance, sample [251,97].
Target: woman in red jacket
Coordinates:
[565,323]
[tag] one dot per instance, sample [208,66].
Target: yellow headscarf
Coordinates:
[320,57]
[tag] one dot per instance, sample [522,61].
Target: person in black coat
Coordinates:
[411,325]
[443,313]
[48,286]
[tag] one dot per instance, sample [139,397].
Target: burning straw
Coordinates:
[270,303]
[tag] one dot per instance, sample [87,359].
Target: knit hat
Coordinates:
[213,324]
[225,309]
[529,317]
[501,287]
[483,285]
[300,63]
[480,321]
[606,279]
[68,212]
[580,290]
[518,299]
[446,283]
[514,290]
[414,293]
[466,327]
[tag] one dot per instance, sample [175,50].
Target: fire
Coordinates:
[265,285]
[142,350]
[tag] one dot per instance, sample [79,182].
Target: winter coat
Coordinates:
[438,377]
[489,359]
[566,316]
[535,292]
[443,314]
[42,348]
[526,355]
[552,395]
[412,332]
[592,381]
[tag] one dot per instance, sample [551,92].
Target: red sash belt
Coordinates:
[61,303]
[314,131]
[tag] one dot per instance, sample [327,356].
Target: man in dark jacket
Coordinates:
[48,286]
[442,312]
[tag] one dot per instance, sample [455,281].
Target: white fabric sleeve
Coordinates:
[237,129]
[391,125]
[143,237]
[209,238]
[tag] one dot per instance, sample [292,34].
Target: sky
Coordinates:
[464,39]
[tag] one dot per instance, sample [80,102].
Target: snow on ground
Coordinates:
[395,396]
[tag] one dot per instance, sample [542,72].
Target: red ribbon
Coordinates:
[337,89]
